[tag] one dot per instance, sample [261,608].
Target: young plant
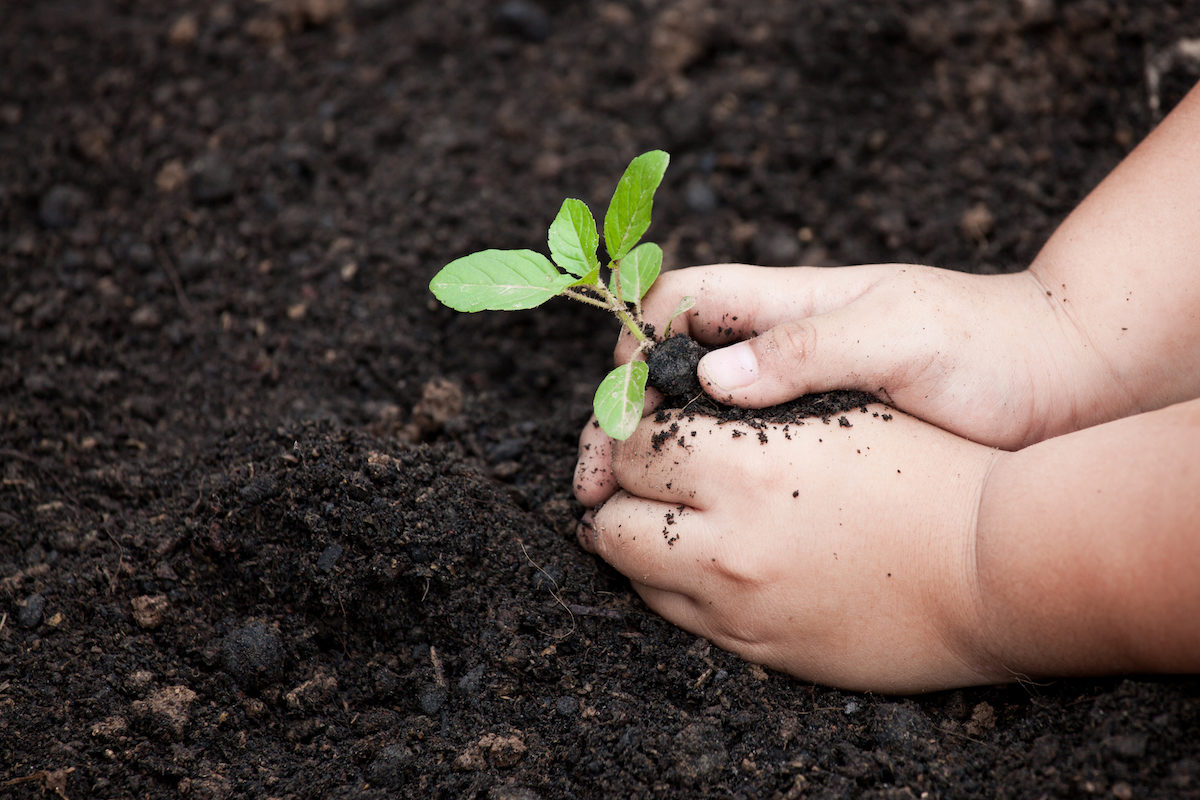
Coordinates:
[509,280]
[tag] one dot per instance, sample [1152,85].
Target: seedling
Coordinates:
[510,280]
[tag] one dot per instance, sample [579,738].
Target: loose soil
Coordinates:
[272,524]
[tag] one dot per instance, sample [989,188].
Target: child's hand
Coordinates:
[840,555]
[990,358]
[1059,565]
[987,357]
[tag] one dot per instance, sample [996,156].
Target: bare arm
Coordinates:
[1088,549]
[1091,542]
[1124,270]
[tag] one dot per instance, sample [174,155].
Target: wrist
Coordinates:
[1073,381]
[968,610]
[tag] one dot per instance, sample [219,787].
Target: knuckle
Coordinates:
[792,341]
[665,286]
[624,461]
[743,569]
[667,281]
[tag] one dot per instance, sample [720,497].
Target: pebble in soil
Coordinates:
[253,655]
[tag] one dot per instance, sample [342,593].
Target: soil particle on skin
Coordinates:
[667,433]
[821,406]
[272,524]
[670,536]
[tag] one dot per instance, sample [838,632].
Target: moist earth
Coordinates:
[671,364]
[273,524]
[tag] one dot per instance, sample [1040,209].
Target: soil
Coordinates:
[671,365]
[273,524]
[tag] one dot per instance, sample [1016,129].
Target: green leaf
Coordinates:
[639,268]
[591,279]
[628,214]
[498,280]
[573,238]
[620,398]
[686,303]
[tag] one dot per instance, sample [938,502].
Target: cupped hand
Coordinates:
[974,354]
[990,358]
[842,555]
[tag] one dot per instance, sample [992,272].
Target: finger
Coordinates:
[658,544]
[858,346]
[654,399]
[679,457]
[664,459]
[585,531]
[737,301]
[594,480]
[678,608]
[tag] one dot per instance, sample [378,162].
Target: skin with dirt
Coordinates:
[273,524]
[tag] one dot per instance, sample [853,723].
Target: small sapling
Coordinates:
[509,280]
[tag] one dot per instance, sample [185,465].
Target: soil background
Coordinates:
[272,524]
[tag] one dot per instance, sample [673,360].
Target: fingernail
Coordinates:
[733,367]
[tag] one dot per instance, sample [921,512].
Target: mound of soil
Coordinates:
[273,524]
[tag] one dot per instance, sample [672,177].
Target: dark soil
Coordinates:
[272,524]
[672,365]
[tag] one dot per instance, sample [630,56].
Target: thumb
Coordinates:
[794,358]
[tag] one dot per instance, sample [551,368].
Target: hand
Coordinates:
[839,555]
[989,358]
[982,356]
[1101,326]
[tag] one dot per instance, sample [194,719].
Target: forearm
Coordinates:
[1124,271]
[1088,550]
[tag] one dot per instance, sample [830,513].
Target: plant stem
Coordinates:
[575,294]
[632,324]
[612,305]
